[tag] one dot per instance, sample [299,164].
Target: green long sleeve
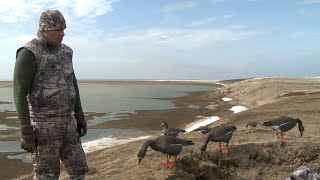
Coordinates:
[24,72]
[78,106]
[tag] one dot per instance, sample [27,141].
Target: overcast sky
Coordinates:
[174,39]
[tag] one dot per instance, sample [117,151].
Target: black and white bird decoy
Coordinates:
[222,133]
[171,131]
[171,146]
[203,131]
[283,124]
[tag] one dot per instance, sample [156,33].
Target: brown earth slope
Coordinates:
[254,153]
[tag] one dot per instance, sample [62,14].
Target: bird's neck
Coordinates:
[144,148]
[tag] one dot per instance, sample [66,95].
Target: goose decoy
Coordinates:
[283,124]
[253,124]
[171,146]
[222,133]
[171,131]
[203,131]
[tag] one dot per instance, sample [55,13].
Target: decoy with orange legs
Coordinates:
[283,124]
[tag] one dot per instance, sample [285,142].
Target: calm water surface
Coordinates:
[117,98]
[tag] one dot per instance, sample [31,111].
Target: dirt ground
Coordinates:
[254,153]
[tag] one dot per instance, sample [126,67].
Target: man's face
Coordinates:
[55,36]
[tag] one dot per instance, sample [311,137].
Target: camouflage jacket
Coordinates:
[52,92]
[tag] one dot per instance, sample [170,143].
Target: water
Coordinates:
[117,98]
[6,95]
[10,146]
[112,99]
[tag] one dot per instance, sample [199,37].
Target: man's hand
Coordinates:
[28,138]
[81,124]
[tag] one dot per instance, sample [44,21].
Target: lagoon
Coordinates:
[119,98]
[112,99]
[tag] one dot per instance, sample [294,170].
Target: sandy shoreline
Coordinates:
[254,152]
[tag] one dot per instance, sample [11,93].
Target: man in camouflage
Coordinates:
[46,94]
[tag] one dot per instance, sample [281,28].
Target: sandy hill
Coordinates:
[258,91]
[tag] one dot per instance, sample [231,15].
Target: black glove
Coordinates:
[81,124]
[28,140]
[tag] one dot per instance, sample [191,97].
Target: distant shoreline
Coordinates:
[156,81]
[151,82]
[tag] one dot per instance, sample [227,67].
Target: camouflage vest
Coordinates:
[52,92]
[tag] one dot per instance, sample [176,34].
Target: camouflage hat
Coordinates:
[51,20]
